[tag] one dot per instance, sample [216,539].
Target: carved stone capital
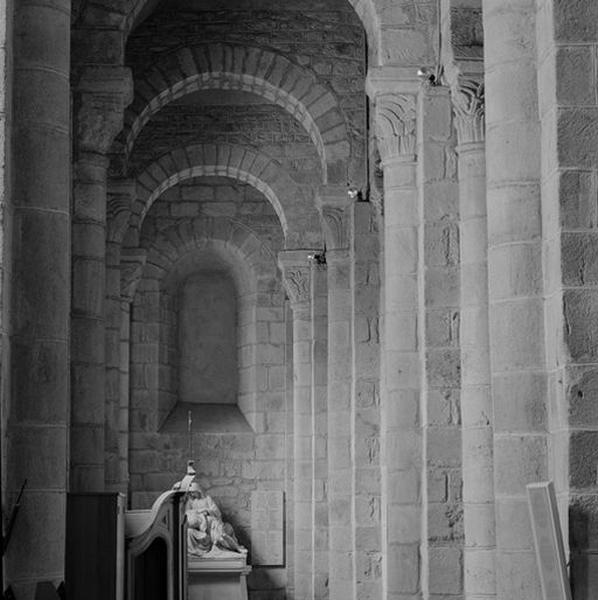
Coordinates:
[103,93]
[296,275]
[121,194]
[468,104]
[395,126]
[132,261]
[334,206]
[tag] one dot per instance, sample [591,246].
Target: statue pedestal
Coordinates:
[218,577]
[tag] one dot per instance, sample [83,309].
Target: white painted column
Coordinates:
[334,204]
[401,393]
[516,304]
[296,272]
[476,401]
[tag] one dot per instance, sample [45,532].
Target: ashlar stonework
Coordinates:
[339,253]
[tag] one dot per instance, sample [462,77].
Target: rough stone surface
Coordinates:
[397,371]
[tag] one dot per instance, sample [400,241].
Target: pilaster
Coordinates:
[394,94]
[476,402]
[120,198]
[102,94]
[335,206]
[296,275]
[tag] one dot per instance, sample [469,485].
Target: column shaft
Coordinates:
[37,433]
[297,278]
[365,286]
[88,335]
[401,393]
[320,558]
[340,454]
[516,308]
[114,315]
[476,401]
[303,454]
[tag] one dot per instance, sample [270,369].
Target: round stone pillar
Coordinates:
[401,435]
[104,92]
[476,401]
[516,304]
[296,273]
[120,198]
[37,408]
[336,218]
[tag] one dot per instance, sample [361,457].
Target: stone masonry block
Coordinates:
[519,460]
[577,191]
[444,446]
[583,459]
[442,286]
[516,328]
[579,254]
[513,214]
[575,21]
[446,570]
[577,135]
[444,367]
[583,399]
[521,579]
[576,79]
[516,270]
[581,313]
[404,569]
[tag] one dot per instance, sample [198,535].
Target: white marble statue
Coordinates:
[207,533]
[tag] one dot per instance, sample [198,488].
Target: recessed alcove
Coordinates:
[205,304]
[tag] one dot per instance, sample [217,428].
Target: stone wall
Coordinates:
[194,227]
[567,40]
[249,123]
[207,338]
[441,258]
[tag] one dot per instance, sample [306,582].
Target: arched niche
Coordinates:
[224,259]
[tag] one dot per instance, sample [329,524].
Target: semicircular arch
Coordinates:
[296,211]
[257,71]
[236,245]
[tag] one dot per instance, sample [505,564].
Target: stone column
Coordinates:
[401,440]
[120,196]
[37,429]
[296,272]
[335,209]
[103,94]
[319,336]
[132,261]
[516,306]
[476,401]
[365,286]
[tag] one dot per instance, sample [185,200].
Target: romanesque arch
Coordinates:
[227,237]
[298,217]
[254,70]
[174,254]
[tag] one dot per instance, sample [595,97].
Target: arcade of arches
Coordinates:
[357,240]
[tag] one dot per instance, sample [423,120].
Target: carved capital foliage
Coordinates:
[468,104]
[297,283]
[336,222]
[118,210]
[296,275]
[335,208]
[103,93]
[132,262]
[396,125]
